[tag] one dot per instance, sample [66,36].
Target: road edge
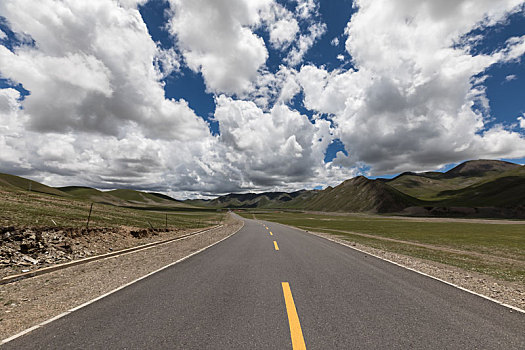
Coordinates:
[514,308]
[41,324]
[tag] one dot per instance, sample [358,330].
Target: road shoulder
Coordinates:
[29,302]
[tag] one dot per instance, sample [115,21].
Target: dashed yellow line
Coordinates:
[293,319]
[271,234]
[275,245]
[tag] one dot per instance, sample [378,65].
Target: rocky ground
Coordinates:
[28,302]
[24,249]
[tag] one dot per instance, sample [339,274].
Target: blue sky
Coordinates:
[206,97]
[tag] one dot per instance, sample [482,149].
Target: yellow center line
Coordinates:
[295,327]
[271,234]
[275,245]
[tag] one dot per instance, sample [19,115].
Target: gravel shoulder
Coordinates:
[511,293]
[29,302]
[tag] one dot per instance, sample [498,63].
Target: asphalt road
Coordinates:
[232,296]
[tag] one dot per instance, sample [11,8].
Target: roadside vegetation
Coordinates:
[496,249]
[29,208]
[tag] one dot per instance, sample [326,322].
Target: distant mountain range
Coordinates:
[485,188]
[121,197]
[474,188]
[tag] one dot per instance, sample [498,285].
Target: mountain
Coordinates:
[506,189]
[478,187]
[436,186]
[490,184]
[355,195]
[481,168]
[361,195]
[261,200]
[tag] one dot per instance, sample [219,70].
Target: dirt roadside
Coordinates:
[28,302]
[511,293]
[29,248]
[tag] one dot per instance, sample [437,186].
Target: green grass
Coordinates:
[496,241]
[24,208]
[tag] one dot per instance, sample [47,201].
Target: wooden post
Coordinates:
[166,221]
[89,216]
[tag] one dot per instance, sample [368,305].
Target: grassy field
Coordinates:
[494,249]
[25,208]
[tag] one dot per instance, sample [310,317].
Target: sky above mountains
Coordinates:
[205,97]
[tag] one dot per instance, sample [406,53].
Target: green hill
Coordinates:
[435,186]
[361,195]
[506,189]
[122,197]
[26,184]
[92,194]
[481,168]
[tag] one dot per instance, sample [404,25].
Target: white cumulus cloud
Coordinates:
[408,105]
[521,121]
[92,69]
[216,39]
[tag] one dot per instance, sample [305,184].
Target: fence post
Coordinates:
[89,216]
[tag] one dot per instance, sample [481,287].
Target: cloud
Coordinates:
[304,43]
[408,104]
[510,77]
[216,39]
[96,113]
[92,69]
[521,120]
[166,62]
[274,148]
[335,41]
[306,9]
[2,35]
[283,32]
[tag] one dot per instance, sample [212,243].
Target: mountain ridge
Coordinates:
[472,184]
[476,183]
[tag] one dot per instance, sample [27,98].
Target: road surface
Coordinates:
[273,287]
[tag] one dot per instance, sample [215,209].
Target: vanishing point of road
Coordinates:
[273,287]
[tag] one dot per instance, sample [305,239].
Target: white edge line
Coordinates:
[113,291]
[414,270]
